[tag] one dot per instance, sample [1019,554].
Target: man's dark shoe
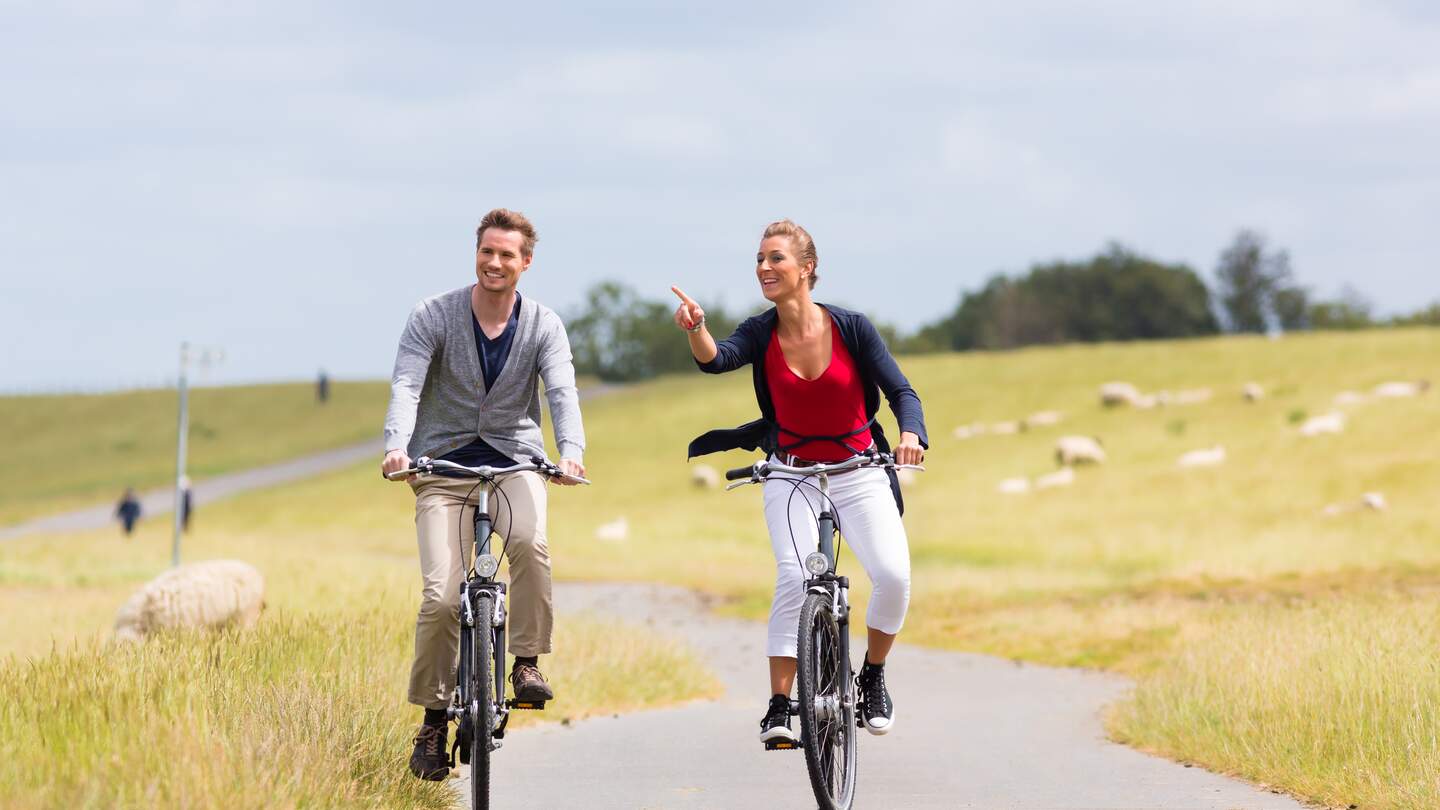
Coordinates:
[529,684]
[877,711]
[775,726]
[430,760]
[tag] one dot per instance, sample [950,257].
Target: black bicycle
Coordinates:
[825,677]
[478,705]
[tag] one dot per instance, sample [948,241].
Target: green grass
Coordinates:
[111,441]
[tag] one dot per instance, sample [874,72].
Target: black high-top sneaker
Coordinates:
[776,724]
[877,711]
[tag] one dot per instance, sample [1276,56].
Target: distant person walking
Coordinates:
[128,511]
[322,387]
[466,389]
[185,500]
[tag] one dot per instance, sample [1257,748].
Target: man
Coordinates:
[465,390]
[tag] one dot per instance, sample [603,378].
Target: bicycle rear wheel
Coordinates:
[827,705]
[482,701]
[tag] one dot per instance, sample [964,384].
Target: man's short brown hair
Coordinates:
[507,220]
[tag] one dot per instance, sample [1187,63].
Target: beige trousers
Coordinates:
[445,525]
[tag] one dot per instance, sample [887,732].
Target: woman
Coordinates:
[818,370]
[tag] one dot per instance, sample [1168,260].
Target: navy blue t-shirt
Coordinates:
[493,354]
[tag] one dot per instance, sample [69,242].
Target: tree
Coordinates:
[1350,311]
[621,338]
[1255,286]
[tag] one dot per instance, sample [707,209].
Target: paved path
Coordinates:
[162,501]
[971,732]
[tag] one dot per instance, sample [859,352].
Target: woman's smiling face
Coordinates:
[779,273]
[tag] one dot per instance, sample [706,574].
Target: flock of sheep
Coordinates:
[1076,451]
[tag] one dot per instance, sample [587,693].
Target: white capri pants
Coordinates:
[869,521]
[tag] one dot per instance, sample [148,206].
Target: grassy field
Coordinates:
[1252,623]
[307,710]
[111,441]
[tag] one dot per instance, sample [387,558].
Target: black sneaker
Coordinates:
[877,711]
[776,724]
[430,759]
[529,684]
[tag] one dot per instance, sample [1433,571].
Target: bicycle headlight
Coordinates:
[486,565]
[816,563]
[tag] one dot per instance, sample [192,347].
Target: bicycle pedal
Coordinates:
[534,705]
[783,745]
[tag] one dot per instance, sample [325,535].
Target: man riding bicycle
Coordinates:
[465,389]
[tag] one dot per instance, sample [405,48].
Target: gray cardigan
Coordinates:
[438,401]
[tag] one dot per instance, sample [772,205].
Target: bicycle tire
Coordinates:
[827,706]
[482,701]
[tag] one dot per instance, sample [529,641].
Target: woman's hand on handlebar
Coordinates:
[396,460]
[572,470]
[909,451]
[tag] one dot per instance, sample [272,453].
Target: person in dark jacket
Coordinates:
[818,372]
[128,510]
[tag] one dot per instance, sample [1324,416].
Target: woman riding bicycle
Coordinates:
[818,370]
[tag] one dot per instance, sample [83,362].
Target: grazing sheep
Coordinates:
[1013,486]
[1072,450]
[969,431]
[703,476]
[1397,390]
[1208,457]
[615,531]
[1193,396]
[1005,428]
[214,593]
[1063,477]
[1145,402]
[1345,399]
[1042,419]
[1333,422]
[1372,501]
[1113,394]
[1252,392]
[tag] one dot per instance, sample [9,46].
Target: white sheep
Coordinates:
[214,593]
[1013,486]
[1042,419]
[1333,422]
[1193,396]
[1008,428]
[703,476]
[1072,450]
[1345,399]
[1373,501]
[1252,392]
[615,531]
[1113,394]
[1063,477]
[963,432]
[1397,390]
[1207,457]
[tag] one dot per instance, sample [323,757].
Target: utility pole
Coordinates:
[184,431]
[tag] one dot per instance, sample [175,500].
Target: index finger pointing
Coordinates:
[683,297]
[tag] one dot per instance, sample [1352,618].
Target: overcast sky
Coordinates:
[285,180]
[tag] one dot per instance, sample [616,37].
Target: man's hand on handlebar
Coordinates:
[572,469]
[396,460]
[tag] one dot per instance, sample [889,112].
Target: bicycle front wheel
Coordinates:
[482,701]
[827,705]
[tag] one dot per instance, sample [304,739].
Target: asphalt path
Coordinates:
[970,732]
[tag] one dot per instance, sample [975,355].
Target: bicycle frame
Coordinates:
[474,584]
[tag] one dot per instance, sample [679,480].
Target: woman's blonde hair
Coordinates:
[800,239]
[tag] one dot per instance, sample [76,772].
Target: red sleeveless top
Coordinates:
[832,404]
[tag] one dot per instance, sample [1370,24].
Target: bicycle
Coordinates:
[478,703]
[824,674]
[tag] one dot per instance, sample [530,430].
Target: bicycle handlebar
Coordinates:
[761,470]
[739,472]
[428,466]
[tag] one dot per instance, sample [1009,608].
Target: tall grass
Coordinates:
[300,712]
[1337,700]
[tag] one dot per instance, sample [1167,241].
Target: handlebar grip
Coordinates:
[739,473]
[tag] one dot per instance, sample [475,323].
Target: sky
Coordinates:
[281,182]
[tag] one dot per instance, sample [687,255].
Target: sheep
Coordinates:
[1072,450]
[1013,486]
[963,432]
[1042,419]
[1193,396]
[615,531]
[1252,392]
[1396,390]
[1333,422]
[1372,501]
[214,593]
[1009,428]
[1113,394]
[1344,399]
[1063,477]
[1208,457]
[703,476]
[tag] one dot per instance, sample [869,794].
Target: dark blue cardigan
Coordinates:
[878,372]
